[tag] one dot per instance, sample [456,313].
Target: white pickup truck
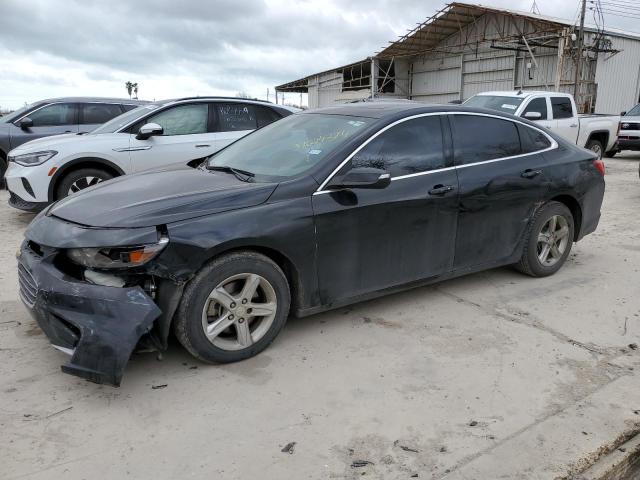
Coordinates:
[557,112]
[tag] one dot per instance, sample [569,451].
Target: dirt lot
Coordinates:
[494,375]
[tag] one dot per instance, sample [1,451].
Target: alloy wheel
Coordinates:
[553,240]
[239,311]
[83,183]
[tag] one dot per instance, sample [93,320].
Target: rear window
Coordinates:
[96,113]
[478,138]
[234,117]
[266,115]
[532,140]
[561,107]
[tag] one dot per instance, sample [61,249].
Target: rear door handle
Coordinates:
[440,189]
[573,125]
[203,145]
[530,173]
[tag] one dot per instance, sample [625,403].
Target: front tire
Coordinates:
[79,180]
[233,308]
[611,153]
[548,242]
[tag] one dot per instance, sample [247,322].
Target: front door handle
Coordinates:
[440,189]
[528,173]
[573,125]
[202,145]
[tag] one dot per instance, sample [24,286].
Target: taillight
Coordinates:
[599,164]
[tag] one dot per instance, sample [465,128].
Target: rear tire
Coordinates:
[548,241]
[79,180]
[217,320]
[596,147]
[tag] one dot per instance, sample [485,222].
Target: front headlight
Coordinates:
[116,257]
[31,159]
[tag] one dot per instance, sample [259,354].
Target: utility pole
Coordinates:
[579,58]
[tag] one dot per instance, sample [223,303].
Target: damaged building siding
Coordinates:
[489,53]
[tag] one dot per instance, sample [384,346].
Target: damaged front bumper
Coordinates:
[100,326]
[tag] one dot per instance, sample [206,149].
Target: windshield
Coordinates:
[290,146]
[118,122]
[634,112]
[18,113]
[495,102]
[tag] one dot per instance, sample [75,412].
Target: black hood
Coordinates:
[160,197]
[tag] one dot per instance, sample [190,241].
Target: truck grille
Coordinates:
[28,286]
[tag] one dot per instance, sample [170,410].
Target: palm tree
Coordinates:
[129,86]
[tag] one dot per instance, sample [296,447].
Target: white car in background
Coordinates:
[151,136]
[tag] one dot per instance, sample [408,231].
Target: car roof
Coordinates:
[519,93]
[130,101]
[226,99]
[380,110]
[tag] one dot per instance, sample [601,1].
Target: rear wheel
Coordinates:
[596,147]
[79,180]
[233,308]
[549,240]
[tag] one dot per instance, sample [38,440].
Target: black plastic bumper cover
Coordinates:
[102,325]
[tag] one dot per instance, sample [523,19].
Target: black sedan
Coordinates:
[318,210]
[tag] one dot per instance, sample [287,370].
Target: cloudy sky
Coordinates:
[172,48]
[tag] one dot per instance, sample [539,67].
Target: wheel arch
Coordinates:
[601,136]
[576,210]
[78,163]
[276,255]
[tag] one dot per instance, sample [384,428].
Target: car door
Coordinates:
[501,181]
[233,120]
[93,114]
[565,118]
[51,119]
[372,239]
[540,105]
[185,137]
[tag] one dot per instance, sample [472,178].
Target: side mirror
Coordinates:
[533,116]
[363,177]
[623,113]
[148,130]
[25,123]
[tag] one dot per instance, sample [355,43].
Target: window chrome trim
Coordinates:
[553,146]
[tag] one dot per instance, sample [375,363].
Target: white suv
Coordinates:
[151,136]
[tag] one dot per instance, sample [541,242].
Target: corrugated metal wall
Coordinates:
[618,77]
[475,67]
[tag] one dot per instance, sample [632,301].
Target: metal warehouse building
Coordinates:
[465,49]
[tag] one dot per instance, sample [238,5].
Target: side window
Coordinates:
[54,115]
[126,107]
[532,140]
[182,120]
[561,107]
[99,112]
[266,115]
[477,138]
[410,147]
[233,117]
[537,105]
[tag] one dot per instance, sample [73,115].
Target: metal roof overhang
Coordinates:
[426,36]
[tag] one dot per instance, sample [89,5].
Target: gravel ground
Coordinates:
[494,375]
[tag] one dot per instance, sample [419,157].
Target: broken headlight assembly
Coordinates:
[116,257]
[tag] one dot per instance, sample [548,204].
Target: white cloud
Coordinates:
[51,48]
